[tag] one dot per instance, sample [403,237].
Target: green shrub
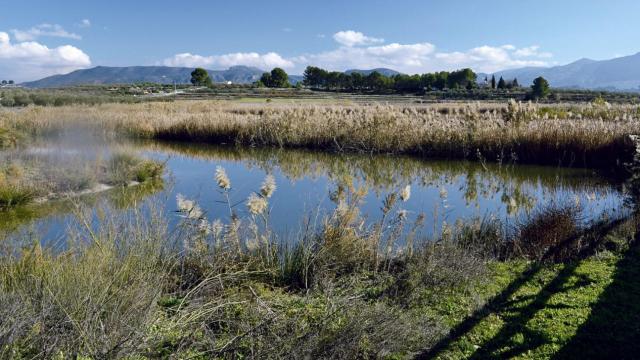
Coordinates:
[122,168]
[148,169]
[14,195]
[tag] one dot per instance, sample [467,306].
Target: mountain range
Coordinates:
[622,73]
[138,74]
[619,74]
[383,71]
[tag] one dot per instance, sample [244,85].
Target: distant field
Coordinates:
[98,94]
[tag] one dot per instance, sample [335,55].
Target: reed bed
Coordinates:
[590,135]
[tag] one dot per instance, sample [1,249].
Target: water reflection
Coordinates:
[443,190]
[48,220]
[517,188]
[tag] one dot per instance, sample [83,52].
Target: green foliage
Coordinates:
[14,195]
[123,168]
[68,96]
[540,88]
[277,78]
[200,77]
[375,82]
[461,79]
[502,84]
[148,170]
[265,80]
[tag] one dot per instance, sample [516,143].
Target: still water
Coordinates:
[445,191]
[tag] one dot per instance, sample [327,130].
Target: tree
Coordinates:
[200,77]
[471,85]
[540,88]
[441,80]
[265,80]
[315,77]
[376,81]
[493,81]
[279,78]
[515,83]
[502,84]
[461,79]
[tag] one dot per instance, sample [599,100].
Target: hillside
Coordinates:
[137,74]
[383,71]
[621,73]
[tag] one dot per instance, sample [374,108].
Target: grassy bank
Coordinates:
[28,176]
[590,135]
[130,287]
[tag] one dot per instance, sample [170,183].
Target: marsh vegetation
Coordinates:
[587,135]
[391,256]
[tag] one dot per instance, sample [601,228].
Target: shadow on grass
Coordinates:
[516,323]
[613,328]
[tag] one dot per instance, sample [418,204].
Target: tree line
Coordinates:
[321,79]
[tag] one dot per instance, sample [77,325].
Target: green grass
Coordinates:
[15,195]
[564,310]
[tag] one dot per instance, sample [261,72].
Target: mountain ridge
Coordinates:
[136,74]
[621,73]
[618,74]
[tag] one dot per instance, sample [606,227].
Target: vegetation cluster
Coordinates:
[28,177]
[130,287]
[586,135]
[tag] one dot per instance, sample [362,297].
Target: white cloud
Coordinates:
[85,23]
[353,38]
[262,61]
[52,30]
[356,50]
[532,51]
[397,56]
[29,60]
[487,59]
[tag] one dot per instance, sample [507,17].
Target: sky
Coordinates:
[42,37]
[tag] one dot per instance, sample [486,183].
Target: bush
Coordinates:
[15,195]
[548,228]
[122,168]
[97,298]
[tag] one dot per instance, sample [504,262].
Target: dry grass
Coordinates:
[584,135]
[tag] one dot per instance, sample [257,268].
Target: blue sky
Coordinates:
[39,38]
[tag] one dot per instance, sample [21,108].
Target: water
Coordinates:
[445,191]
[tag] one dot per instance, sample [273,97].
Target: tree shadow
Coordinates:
[612,330]
[516,324]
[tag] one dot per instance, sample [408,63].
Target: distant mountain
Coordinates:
[294,79]
[621,73]
[137,74]
[383,71]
